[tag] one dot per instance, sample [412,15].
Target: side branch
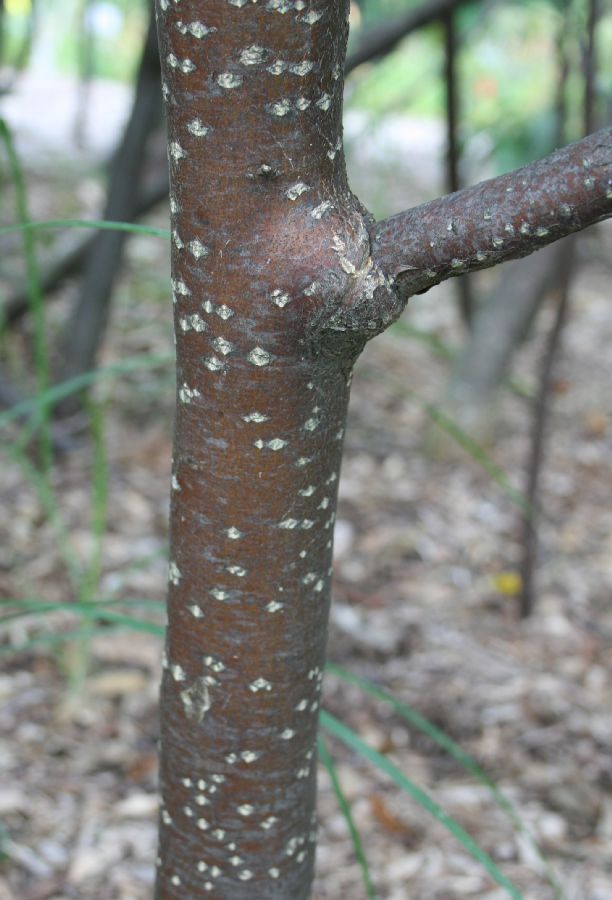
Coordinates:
[497,220]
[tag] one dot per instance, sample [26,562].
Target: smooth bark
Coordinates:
[268,243]
[277,286]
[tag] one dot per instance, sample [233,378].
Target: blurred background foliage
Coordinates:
[507,62]
[508,65]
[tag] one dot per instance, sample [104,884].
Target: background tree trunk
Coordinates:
[502,324]
[89,317]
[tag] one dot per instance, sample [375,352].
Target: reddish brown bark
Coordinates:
[504,218]
[267,242]
[276,291]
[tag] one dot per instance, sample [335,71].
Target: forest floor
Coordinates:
[427,549]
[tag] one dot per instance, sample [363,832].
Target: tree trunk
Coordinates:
[267,241]
[502,324]
[88,320]
[276,290]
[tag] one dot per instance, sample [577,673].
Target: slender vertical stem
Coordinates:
[563,67]
[541,411]
[450,81]
[553,344]
[35,298]
[590,67]
[2,29]
[86,49]
[453,182]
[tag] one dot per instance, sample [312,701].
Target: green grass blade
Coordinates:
[129,622]
[48,501]
[34,291]
[114,621]
[97,224]
[328,762]
[73,385]
[466,442]
[453,749]
[448,353]
[21,608]
[439,347]
[477,452]
[347,736]
[141,562]
[52,638]
[91,611]
[99,500]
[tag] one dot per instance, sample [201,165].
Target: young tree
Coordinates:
[280,277]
